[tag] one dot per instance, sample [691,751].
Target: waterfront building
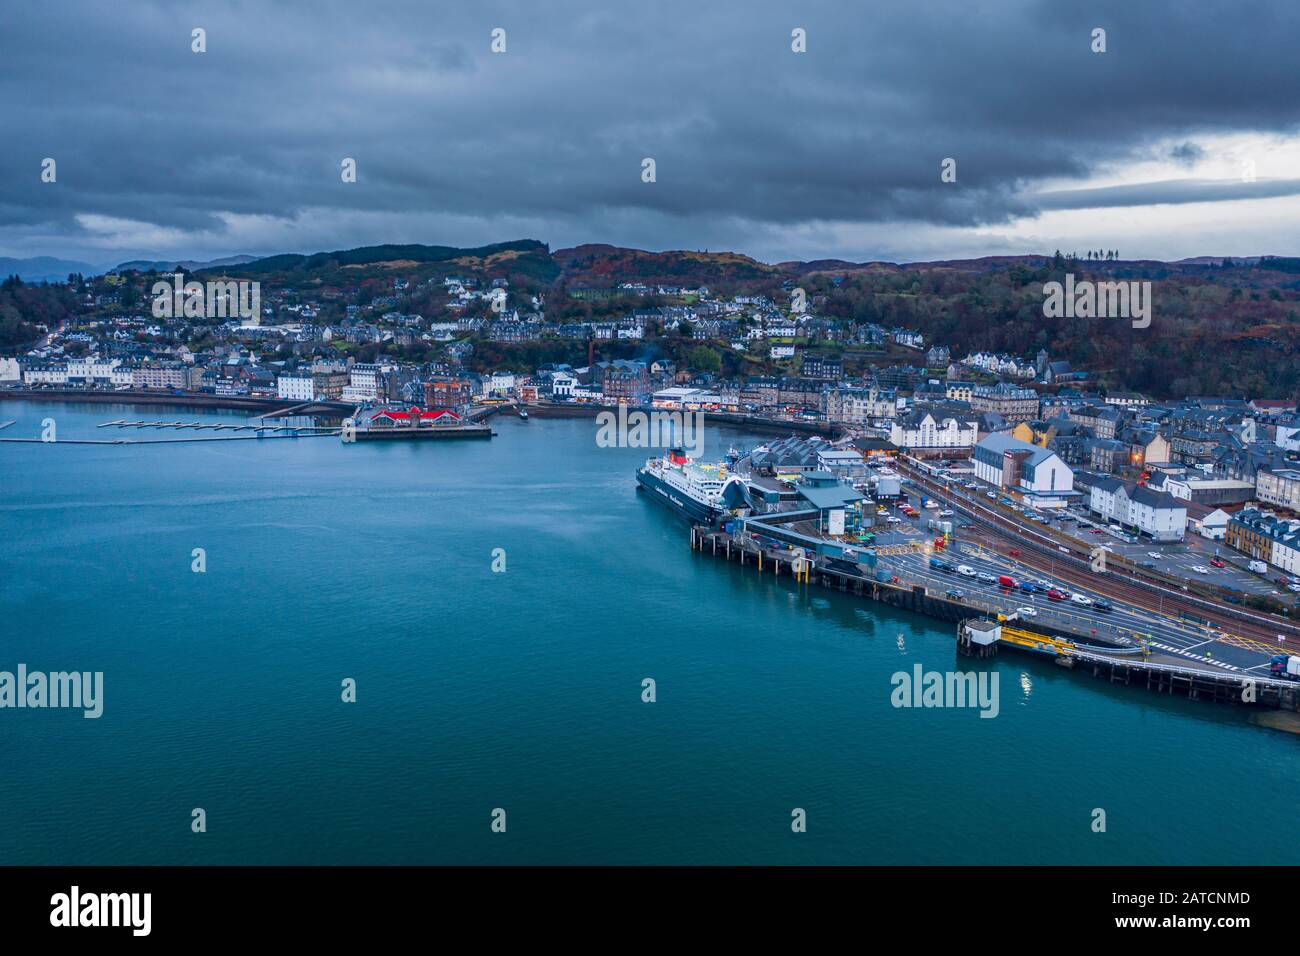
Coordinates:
[295,386]
[922,431]
[1155,514]
[1012,402]
[860,406]
[1007,462]
[1266,537]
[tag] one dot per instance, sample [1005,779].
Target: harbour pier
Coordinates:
[1131,665]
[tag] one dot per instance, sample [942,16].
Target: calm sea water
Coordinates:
[522,690]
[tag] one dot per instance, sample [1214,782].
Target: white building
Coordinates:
[502,382]
[562,384]
[91,371]
[1011,463]
[1155,514]
[296,386]
[1213,526]
[364,382]
[922,430]
[51,373]
[10,370]
[685,398]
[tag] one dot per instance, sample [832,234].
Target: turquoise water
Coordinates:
[522,690]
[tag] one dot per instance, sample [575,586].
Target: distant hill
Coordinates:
[351,265]
[603,266]
[44,268]
[183,265]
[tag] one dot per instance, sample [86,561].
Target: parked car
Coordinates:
[1100,605]
[1055,595]
[1218,562]
[1014,552]
[1153,554]
[966,570]
[1200,569]
[954,594]
[1081,599]
[1027,611]
[986,577]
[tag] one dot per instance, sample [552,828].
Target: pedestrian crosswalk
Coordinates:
[1191,655]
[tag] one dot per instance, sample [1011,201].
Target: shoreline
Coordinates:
[178,400]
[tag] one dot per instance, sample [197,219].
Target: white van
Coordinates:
[1259,567]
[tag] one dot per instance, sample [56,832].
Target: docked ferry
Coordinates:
[696,491]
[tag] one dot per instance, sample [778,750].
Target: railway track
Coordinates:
[1069,563]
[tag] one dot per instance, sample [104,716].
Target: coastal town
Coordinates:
[947,480]
[1219,468]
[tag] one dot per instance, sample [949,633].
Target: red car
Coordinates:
[1218,563]
[1096,531]
[1055,595]
[1014,552]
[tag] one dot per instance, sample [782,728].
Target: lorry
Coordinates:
[1285,665]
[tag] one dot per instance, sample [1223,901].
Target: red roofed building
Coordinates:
[422,419]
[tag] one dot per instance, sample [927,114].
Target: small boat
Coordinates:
[523,414]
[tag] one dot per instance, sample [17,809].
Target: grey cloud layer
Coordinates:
[750,139]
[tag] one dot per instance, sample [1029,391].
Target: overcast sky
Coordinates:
[835,152]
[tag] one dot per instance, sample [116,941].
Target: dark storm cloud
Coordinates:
[158,148]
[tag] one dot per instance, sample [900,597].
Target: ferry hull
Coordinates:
[682,504]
